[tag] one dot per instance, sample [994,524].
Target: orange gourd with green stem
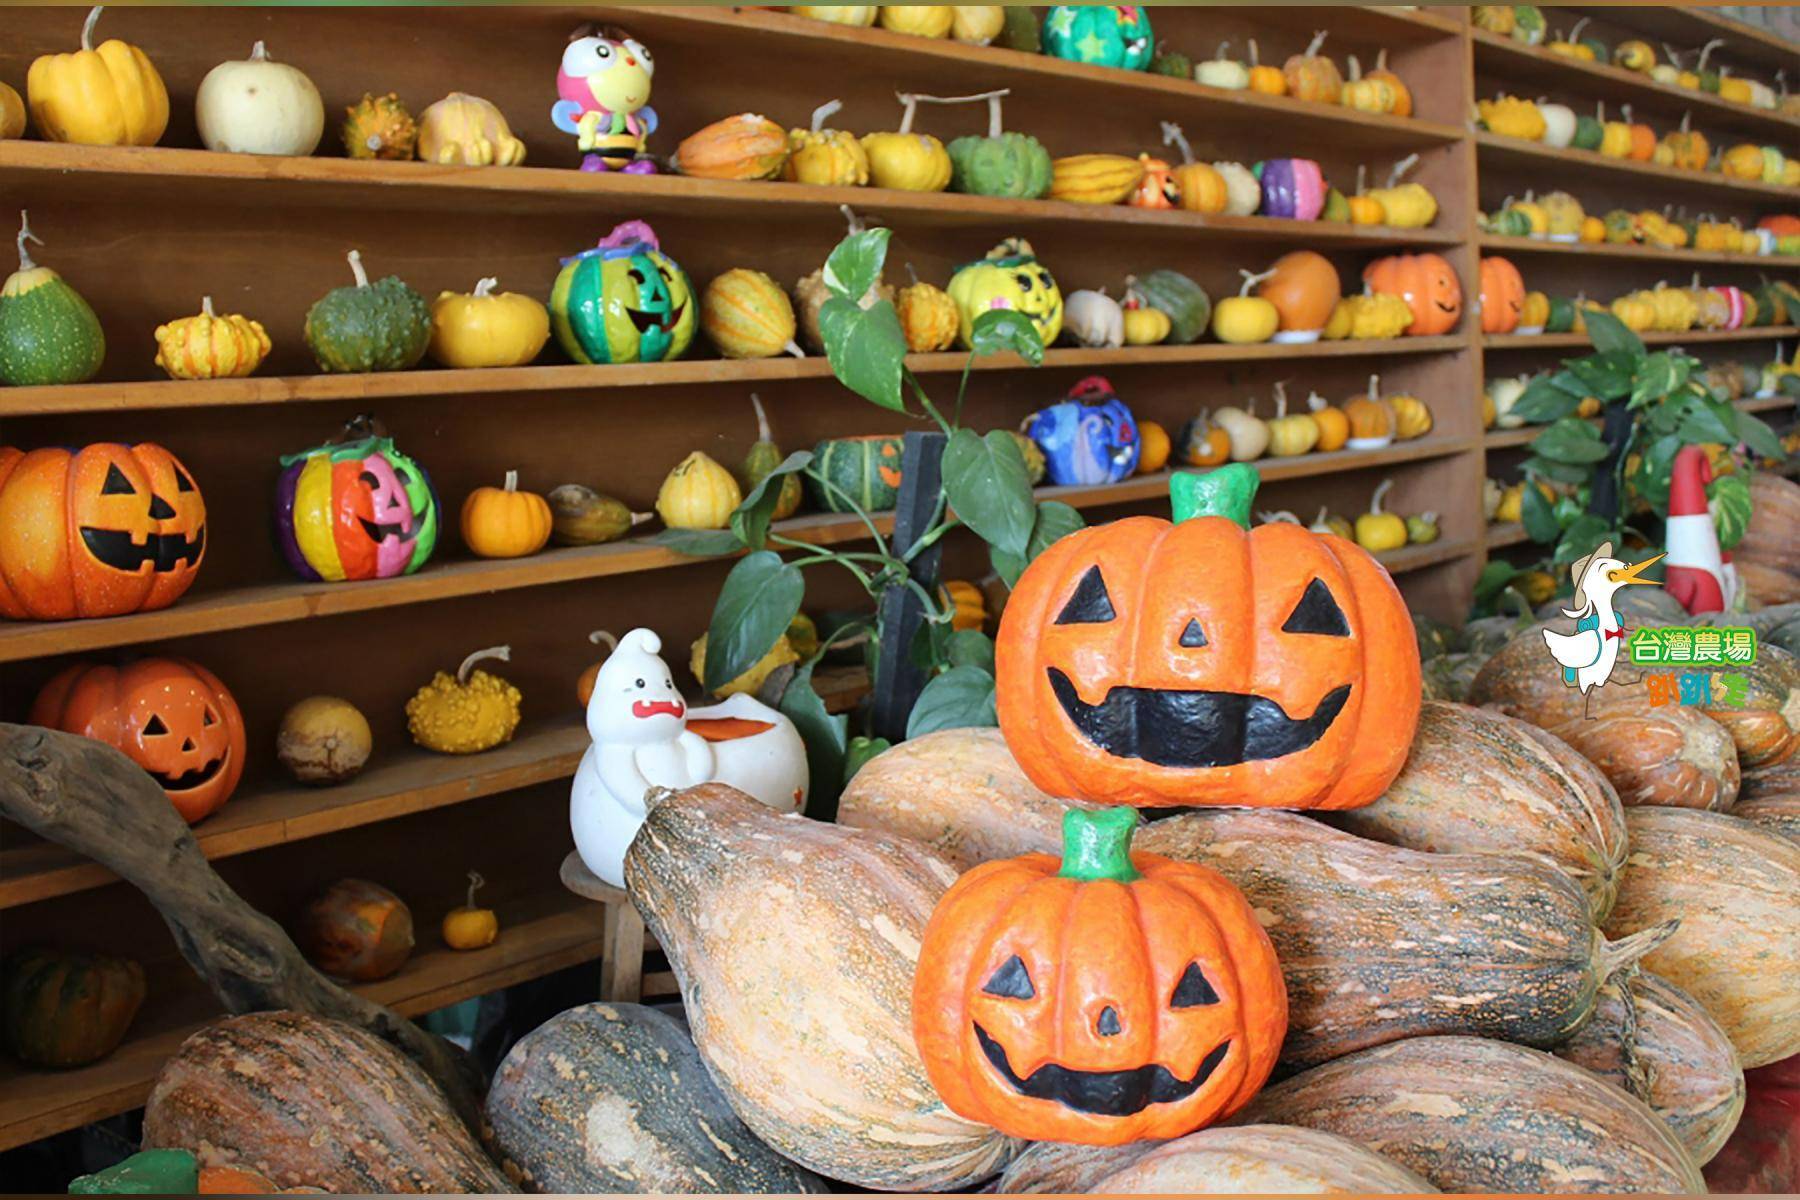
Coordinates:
[1100,998]
[1203,662]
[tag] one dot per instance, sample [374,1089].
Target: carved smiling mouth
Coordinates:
[1106,1093]
[378,531]
[665,321]
[165,551]
[1194,729]
[188,779]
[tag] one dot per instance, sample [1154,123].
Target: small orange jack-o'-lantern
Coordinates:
[1104,999]
[96,532]
[170,716]
[1204,662]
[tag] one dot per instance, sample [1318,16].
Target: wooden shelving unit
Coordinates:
[143,233]
[1690,337]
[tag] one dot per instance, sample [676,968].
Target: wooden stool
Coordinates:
[623,938]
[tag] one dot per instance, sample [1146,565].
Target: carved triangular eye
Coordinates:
[1012,981]
[1317,612]
[1193,636]
[1192,990]
[154,727]
[182,482]
[115,483]
[1090,605]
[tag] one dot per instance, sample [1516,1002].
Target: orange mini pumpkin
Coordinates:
[1102,999]
[1304,289]
[1502,298]
[1205,662]
[1427,284]
[1312,76]
[96,532]
[170,716]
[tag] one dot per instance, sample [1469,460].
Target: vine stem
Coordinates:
[868,521]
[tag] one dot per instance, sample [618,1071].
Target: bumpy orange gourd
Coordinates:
[1102,999]
[209,346]
[1203,662]
[504,522]
[1502,295]
[1427,284]
[1403,101]
[96,532]
[928,317]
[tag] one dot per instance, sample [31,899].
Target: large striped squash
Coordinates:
[860,470]
[1094,178]
[357,509]
[1671,756]
[745,146]
[1777,813]
[747,315]
[1774,520]
[623,301]
[305,1101]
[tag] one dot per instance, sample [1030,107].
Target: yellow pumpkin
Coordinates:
[1616,139]
[780,655]
[1378,316]
[904,160]
[1291,436]
[468,927]
[920,20]
[698,494]
[928,317]
[209,346]
[379,127]
[1411,418]
[977,24]
[1378,530]
[1094,178]
[1743,161]
[504,522]
[466,713]
[1404,205]
[1244,319]
[1341,320]
[826,157]
[482,329]
[110,96]
[1371,419]
[1593,230]
[1333,425]
[1511,116]
[1368,94]
[967,604]
[12,112]
[1534,311]
[1635,311]
[1145,326]
[1687,149]
[465,130]
[747,315]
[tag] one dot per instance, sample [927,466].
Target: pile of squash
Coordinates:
[1368,421]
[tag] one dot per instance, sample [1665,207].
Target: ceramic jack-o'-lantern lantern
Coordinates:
[170,716]
[1103,999]
[1205,662]
[355,508]
[1428,285]
[96,532]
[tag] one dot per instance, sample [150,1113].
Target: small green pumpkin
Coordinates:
[1589,133]
[48,334]
[764,457]
[1510,222]
[1012,166]
[1186,303]
[865,470]
[67,1009]
[381,326]
[1561,318]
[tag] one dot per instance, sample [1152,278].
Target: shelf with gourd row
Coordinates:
[1512,438]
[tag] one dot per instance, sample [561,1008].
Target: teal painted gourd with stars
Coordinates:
[624,301]
[1106,35]
[48,334]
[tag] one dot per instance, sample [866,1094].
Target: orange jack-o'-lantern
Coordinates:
[1205,662]
[1502,295]
[1104,999]
[170,716]
[96,532]
[1426,283]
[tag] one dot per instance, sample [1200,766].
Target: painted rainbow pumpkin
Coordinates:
[1292,188]
[623,301]
[355,509]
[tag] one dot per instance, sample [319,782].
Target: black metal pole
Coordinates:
[898,681]
[1616,433]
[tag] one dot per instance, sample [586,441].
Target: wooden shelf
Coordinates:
[1506,533]
[1627,251]
[437,384]
[539,934]
[1503,439]
[1417,558]
[1546,341]
[1688,26]
[1568,165]
[277,603]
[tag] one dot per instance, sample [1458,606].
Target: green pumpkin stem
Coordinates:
[1097,845]
[1226,492]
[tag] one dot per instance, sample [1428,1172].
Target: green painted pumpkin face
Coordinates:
[623,301]
[1107,35]
[1016,281]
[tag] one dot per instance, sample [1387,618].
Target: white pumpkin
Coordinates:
[1665,73]
[1505,393]
[1094,319]
[1243,193]
[1559,124]
[1223,71]
[259,106]
[1248,433]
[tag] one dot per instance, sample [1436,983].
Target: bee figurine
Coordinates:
[604,83]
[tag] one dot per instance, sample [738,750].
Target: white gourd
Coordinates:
[259,106]
[1094,319]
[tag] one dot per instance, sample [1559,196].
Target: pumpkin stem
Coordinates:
[1381,491]
[512,482]
[993,99]
[476,882]
[1280,399]
[206,305]
[912,275]
[259,52]
[1278,518]
[1706,53]
[823,113]
[1172,136]
[485,287]
[1402,167]
[1226,492]
[503,653]
[1355,68]
[1362,175]
[1575,31]
[25,235]
[1320,523]
[1626,109]
[1375,388]
[1317,402]
[1616,956]
[1316,44]
[1251,279]
[1097,845]
[1687,119]
[87,26]
[356,268]
[794,349]
[912,107]
[996,125]
[1219,54]
[854,223]
[762,419]
[1255,55]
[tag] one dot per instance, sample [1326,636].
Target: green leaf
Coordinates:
[1709,421]
[1608,333]
[824,736]
[1583,537]
[1570,441]
[930,647]
[1756,434]
[861,750]
[1055,520]
[1543,401]
[1606,376]
[759,599]
[855,264]
[1657,376]
[1728,498]
[1538,517]
[960,698]
[1001,329]
[986,483]
[1652,476]
[698,543]
[1493,579]
[972,648]
[750,522]
[1560,472]
[867,349]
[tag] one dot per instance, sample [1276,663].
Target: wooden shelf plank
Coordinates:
[277,603]
[1689,25]
[1609,250]
[539,934]
[1417,558]
[1501,439]
[1568,165]
[305,389]
[1546,341]
[1506,533]
[1760,404]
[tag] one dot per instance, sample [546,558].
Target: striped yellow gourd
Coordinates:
[747,315]
[1094,178]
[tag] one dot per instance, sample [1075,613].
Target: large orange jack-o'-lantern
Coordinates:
[170,716]
[1204,662]
[96,532]
[1103,999]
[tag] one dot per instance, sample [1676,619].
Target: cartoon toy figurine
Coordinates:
[646,737]
[604,83]
[1699,574]
[1588,655]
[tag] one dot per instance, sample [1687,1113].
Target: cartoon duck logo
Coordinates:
[604,83]
[1588,655]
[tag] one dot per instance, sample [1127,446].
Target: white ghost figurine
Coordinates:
[645,736]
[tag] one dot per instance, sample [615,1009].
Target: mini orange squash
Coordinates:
[1502,299]
[1643,138]
[1428,285]
[1403,101]
[1267,80]
[1198,186]
[1104,998]
[1304,289]
[1312,76]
